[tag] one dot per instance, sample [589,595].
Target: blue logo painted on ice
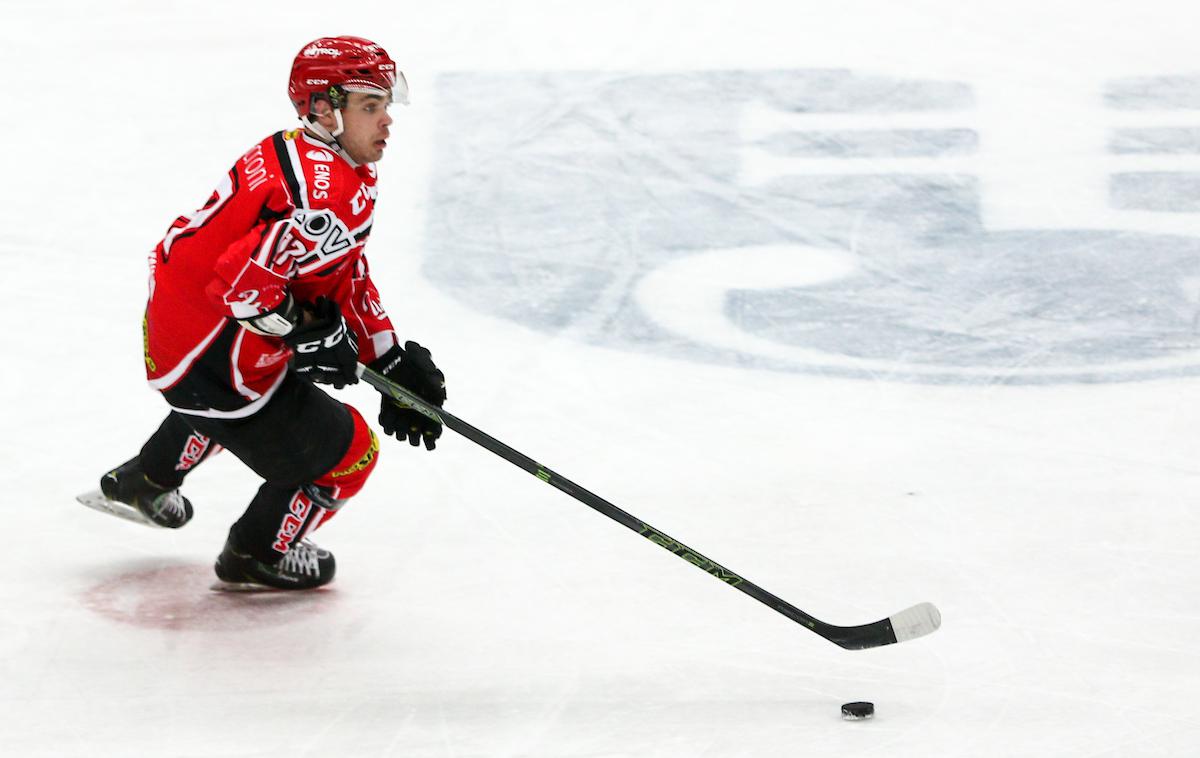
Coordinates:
[831,221]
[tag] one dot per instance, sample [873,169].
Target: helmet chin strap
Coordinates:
[331,138]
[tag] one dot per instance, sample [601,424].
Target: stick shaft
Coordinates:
[855,637]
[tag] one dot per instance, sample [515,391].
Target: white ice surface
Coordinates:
[480,613]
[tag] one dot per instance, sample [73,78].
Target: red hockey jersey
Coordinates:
[292,216]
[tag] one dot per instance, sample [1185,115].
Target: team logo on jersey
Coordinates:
[316,238]
[265,361]
[319,155]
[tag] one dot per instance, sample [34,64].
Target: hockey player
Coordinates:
[258,295]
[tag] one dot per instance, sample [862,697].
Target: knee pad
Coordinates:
[349,474]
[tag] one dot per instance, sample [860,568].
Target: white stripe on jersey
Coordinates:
[298,170]
[234,356]
[243,412]
[381,342]
[266,249]
[364,225]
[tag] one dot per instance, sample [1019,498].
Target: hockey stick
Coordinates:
[917,621]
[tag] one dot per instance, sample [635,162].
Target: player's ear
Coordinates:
[324,113]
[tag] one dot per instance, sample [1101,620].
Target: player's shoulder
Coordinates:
[259,166]
[316,175]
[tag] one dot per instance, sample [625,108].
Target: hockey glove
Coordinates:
[325,348]
[413,369]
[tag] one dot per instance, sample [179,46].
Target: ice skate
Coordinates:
[304,566]
[126,492]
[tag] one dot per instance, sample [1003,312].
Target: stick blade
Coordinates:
[918,621]
[908,624]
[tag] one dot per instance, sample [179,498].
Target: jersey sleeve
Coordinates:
[364,313]
[251,277]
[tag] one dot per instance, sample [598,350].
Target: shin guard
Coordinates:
[279,517]
[349,475]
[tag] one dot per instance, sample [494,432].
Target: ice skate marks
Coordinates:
[832,221]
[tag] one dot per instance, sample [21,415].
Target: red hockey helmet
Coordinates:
[329,67]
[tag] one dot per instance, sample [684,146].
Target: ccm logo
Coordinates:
[326,342]
[298,511]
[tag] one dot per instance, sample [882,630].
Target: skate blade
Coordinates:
[98,502]
[254,588]
[244,587]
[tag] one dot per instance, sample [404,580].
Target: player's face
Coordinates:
[366,122]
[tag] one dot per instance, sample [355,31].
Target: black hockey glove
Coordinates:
[413,369]
[325,348]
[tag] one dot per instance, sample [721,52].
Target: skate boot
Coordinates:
[303,567]
[161,506]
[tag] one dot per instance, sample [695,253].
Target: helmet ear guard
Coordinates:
[335,96]
[310,122]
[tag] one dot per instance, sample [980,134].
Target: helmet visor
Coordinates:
[397,94]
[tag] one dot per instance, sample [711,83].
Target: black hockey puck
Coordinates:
[856,711]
